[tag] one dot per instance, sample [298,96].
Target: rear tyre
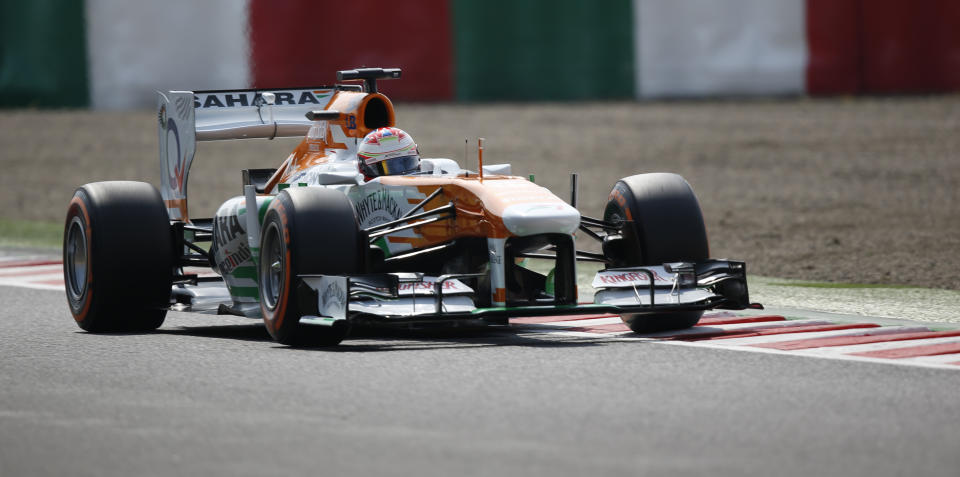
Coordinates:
[118,257]
[662,223]
[306,230]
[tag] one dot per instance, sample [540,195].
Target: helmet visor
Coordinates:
[397,165]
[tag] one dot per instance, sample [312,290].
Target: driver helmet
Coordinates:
[388,152]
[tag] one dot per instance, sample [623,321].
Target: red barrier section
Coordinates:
[833,42]
[883,46]
[303,43]
[911,46]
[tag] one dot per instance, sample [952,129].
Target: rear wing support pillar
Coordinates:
[176,135]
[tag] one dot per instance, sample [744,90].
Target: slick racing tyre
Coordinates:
[306,230]
[118,257]
[662,223]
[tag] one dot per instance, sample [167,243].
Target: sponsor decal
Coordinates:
[251,98]
[226,229]
[428,286]
[334,295]
[182,106]
[377,208]
[176,172]
[176,159]
[331,296]
[233,260]
[626,278]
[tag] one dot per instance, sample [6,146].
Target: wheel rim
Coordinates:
[76,260]
[616,218]
[272,266]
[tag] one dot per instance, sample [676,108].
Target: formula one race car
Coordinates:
[315,246]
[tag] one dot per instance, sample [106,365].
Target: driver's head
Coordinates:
[388,152]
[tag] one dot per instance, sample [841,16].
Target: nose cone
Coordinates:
[541,218]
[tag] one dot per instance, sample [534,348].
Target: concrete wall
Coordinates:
[709,47]
[139,46]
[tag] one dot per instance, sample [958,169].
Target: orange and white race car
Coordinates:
[318,244]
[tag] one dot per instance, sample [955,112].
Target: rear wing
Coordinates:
[186,117]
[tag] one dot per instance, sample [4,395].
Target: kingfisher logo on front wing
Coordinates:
[429,286]
[234,99]
[623,278]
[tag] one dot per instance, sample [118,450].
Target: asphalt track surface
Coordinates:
[214,396]
[847,190]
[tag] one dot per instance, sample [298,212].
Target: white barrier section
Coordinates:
[689,48]
[138,47]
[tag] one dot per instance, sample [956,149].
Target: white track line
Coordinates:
[935,359]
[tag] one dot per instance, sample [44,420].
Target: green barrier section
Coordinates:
[43,59]
[543,50]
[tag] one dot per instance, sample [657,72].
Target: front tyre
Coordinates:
[306,230]
[662,223]
[117,257]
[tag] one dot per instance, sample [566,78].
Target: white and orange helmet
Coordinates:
[386,152]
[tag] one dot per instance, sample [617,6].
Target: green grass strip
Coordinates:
[829,285]
[26,233]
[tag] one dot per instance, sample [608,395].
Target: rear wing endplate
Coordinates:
[185,117]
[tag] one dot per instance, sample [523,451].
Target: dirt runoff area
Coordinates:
[846,190]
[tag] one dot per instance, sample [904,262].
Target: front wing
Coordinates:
[408,299]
